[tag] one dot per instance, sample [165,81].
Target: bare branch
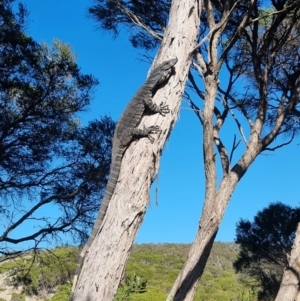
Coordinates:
[296,112]
[268,14]
[134,18]
[215,28]
[234,147]
[196,88]
[48,200]
[201,65]
[222,151]
[280,145]
[238,32]
[282,113]
[45,231]
[240,128]
[196,109]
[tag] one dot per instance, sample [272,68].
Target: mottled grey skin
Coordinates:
[126,130]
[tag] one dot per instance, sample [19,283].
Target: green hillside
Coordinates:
[160,265]
[149,275]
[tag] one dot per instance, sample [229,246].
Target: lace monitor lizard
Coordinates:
[126,130]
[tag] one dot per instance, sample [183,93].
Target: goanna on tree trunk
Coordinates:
[105,261]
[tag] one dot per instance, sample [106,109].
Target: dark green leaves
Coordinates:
[265,244]
[46,156]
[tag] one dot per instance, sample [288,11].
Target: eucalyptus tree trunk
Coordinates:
[105,261]
[216,199]
[289,288]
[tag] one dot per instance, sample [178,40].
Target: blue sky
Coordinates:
[272,177]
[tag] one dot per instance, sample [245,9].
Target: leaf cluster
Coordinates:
[129,286]
[160,265]
[47,159]
[149,275]
[141,17]
[265,244]
[41,272]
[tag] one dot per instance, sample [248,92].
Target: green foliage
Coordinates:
[63,293]
[250,295]
[112,16]
[150,274]
[265,243]
[160,265]
[47,158]
[42,271]
[17,297]
[130,286]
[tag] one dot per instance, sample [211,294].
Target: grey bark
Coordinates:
[106,258]
[217,196]
[126,130]
[289,288]
[216,201]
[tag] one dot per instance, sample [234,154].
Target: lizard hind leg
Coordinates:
[145,132]
[163,109]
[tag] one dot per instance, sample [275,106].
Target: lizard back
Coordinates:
[126,129]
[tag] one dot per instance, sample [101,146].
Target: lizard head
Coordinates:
[161,73]
[166,69]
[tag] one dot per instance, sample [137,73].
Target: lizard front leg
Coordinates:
[162,109]
[145,132]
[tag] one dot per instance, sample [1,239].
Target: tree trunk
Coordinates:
[105,261]
[289,288]
[216,200]
[214,208]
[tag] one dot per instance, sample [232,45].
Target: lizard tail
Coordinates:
[110,187]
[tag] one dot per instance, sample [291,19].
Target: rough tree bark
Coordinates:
[104,264]
[216,197]
[214,208]
[289,288]
[215,204]
[218,194]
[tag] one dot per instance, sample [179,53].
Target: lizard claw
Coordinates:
[150,130]
[163,109]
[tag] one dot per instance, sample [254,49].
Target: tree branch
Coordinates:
[195,108]
[280,145]
[3,237]
[48,230]
[134,18]
[234,147]
[281,115]
[240,128]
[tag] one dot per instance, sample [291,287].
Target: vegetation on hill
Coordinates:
[41,273]
[160,265]
[149,275]
[53,169]
[265,244]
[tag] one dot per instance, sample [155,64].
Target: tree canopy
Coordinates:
[265,244]
[244,71]
[146,20]
[46,156]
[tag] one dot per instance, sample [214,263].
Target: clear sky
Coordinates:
[272,177]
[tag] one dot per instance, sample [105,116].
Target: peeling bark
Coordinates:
[289,288]
[212,214]
[104,264]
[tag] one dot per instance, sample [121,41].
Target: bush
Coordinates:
[63,293]
[17,297]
